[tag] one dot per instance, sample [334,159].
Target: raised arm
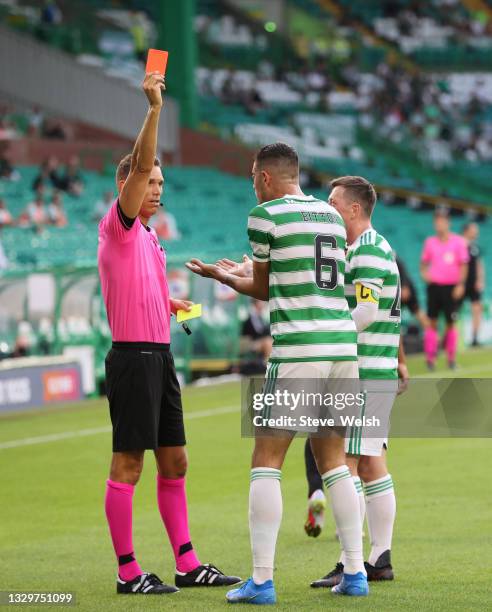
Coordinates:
[145,149]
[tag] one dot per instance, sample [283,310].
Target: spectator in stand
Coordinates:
[56,213]
[71,181]
[165,225]
[102,206]
[35,214]
[49,175]
[35,120]
[475,280]
[139,34]
[8,130]
[5,216]
[7,170]
[54,129]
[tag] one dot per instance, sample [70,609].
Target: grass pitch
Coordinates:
[54,533]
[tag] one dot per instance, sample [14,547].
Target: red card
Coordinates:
[156,61]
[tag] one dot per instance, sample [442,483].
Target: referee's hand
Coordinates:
[180,305]
[153,86]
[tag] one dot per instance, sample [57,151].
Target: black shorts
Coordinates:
[440,300]
[144,397]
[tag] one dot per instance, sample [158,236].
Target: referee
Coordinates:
[444,267]
[142,387]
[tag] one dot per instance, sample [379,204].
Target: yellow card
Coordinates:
[183,315]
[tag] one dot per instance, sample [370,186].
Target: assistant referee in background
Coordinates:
[142,387]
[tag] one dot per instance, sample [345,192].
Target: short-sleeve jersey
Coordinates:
[304,239]
[371,262]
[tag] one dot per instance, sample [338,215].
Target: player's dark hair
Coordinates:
[125,165]
[359,189]
[278,152]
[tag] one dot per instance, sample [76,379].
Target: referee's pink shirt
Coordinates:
[445,259]
[132,269]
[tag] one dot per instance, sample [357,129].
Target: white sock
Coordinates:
[381,511]
[346,511]
[265,515]
[362,507]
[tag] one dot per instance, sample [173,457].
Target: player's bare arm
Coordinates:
[255,286]
[145,148]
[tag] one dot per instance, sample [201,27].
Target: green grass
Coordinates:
[54,534]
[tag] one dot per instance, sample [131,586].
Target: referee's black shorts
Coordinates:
[144,397]
[440,300]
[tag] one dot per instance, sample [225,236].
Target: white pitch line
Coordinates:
[65,435]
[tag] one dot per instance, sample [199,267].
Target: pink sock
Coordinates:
[118,505]
[451,343]
[171,498]
[431,341]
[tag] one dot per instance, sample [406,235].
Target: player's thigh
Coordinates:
[369,436]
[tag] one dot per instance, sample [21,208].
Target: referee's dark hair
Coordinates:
[359,190]
[124,166]
[278,153]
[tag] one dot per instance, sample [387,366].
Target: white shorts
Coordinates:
[319,377]
[379,399]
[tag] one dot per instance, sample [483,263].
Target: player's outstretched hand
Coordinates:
[403,377]
[244,269]
[206,270]
[153,86]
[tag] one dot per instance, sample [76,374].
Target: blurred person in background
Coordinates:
[35,214]
[71,180]
[5,216]
[7,170]
[56,213]
[409,297]
[255,332]
[102,206]
[139,35]
[165,225]
[35,119]
[444,267]
[49,174]
[475,279]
